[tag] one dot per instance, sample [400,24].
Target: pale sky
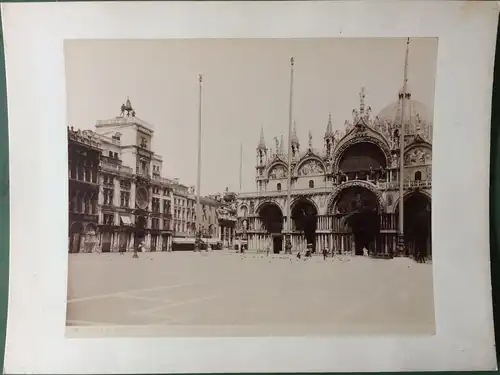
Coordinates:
[246,85]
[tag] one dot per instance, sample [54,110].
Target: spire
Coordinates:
[294,138]
[262,142]
[329,127]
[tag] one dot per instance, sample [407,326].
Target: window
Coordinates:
[311,184]
[418,176]
[108,180]
[124,199]
[156,205]
[155,223]
[125,185]
[278,187]
[166,207]
[108,219]
[116,155]
[108,197]
[111,154]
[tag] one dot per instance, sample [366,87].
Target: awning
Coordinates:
[180,240]
[126,220]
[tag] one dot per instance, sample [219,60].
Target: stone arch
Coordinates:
[307,159]
[90,228]
[426,148]
[76,227]
[304,198]
[243,210]
[304,216]
[271,218]
[342,147]
[417,221]
[346,185]
[274,166]
[409,194]
[265,202]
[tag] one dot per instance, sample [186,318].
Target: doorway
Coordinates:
[365,229]
[106,242]
[277,244]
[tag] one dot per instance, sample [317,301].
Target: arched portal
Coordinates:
[76,235]
[272,220]
[304,219]
[362,159]
[358,209]
[417,224]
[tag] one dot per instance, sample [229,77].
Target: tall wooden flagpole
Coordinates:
[401,152]
[241,163]
[288,241]
[198,176]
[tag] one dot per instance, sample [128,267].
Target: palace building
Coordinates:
[84,150]
[118,197]
[346,196]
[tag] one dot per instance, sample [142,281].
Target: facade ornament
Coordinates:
[362,101]
[127,107]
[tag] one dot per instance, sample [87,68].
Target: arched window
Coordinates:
[278,186]
[418,176]
[311,184]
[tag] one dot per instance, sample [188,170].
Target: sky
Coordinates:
[246,85]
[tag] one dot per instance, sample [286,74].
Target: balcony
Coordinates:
[164,181]
[393,185]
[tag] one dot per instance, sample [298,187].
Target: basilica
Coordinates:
[345,196]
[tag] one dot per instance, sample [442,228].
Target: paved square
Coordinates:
[348,295]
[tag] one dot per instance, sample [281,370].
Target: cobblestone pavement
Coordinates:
[349,294]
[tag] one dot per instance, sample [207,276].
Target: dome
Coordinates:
[414,111]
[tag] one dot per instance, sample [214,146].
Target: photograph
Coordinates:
[282,185]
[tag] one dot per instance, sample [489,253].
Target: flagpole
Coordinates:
[241,163]
[401,153]
[288,241]
[198,177]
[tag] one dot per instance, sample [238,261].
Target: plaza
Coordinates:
[264,294]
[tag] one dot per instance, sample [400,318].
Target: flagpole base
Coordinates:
[401,245]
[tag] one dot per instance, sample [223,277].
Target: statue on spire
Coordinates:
[362,101]
[310,140]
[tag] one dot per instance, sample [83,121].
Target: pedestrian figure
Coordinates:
[298,255]
[267,250]
[137,249]
[325,253]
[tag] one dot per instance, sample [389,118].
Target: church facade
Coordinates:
[345,196]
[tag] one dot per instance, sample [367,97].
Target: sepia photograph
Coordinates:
[279,184]
[267,187]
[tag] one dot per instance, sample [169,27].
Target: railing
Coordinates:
[162,180]
[125,121]
[284,192]
[393,185]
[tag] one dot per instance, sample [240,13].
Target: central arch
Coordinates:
[358,209]
[304,219]
[359,159]
[272,219]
